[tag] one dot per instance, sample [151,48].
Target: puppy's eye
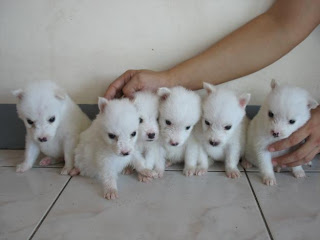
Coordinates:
[228,127]
[168,122]
[207,123]
[270,114]
[133,134]
[111,136]
[140,120]
[52,119]
[292,121]
[29,121]
[187,128]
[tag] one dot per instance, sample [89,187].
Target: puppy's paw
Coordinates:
[168,164]
[189,171]
[233,173]
[22,167]
[277,169]
[147,173]
[269,180]
[127,171]
[144,179]
[201,171]
[246,164]
[45,161]
[299,174]
[159,173]
[65,170]
[74,171]
[111,194]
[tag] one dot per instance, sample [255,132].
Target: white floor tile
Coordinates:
[25,198]
[174,207]
[292,208]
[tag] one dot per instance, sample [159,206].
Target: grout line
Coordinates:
[260,209]
[46,214]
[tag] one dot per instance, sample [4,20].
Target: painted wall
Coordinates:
[85,44]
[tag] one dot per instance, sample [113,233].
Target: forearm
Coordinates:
[252,47]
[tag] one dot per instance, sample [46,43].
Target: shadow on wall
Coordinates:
[13,131]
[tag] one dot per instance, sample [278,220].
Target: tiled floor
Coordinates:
[42,204]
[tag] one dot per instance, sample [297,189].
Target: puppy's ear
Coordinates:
[274,84]
[210,88]
[18,93]
[244,99]
[60,94]
[163,93]
[102,103]
[312,104]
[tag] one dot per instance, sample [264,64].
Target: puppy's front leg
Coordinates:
[31,153]
[232,160]
[266,168]
[138,162]
[160,162]
[191,158]
[110,189]
[203,165]
[69,147]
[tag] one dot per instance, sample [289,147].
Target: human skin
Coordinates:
[269,36]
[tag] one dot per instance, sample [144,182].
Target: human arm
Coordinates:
[250,48]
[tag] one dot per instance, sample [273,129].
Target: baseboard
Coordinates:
[12,130]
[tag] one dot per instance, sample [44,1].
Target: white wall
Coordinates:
[85,44]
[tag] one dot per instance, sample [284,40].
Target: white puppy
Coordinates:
[108,145]
[179,111]
[221,133]
[149,152]
[53,123]
[285,110]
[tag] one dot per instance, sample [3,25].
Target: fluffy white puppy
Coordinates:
[221,133]
[108,145]
[53,123]
[285,110]
[149,152]
[179,111]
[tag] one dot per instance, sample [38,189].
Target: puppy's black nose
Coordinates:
[44,139]
[214,143]
[151,135]
[125,153]
[174,143]
[275,134]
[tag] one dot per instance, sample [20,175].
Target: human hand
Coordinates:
[135,80]
[307,151]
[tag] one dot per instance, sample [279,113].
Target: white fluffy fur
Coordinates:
[39,102]
[149,152]
[179,111]
[286,103]
[221,109]
[101,156]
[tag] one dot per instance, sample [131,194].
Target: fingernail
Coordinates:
[271,149]
[274,163]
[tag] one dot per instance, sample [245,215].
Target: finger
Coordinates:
[131,87]
[305,160]
[296,155]
[116,86]
[295,138]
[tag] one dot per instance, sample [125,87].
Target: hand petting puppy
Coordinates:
[307,151]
